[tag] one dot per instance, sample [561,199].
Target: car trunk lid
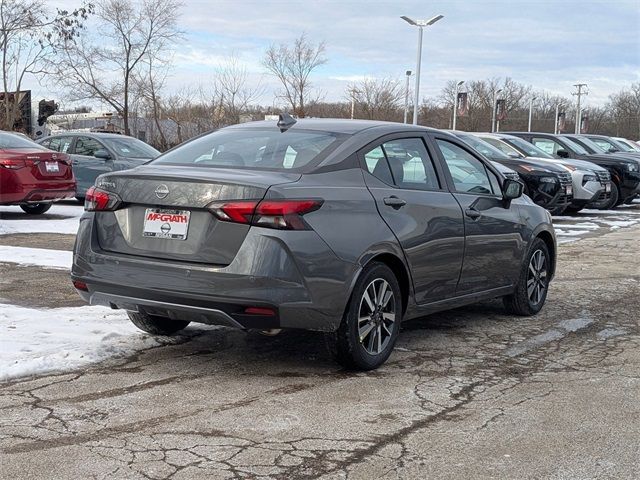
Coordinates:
[164,211]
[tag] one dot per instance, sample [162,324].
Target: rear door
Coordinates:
[423,215]
[85,165]
[493,241]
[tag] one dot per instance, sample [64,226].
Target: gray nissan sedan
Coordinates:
[341,226]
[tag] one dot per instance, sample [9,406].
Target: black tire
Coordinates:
[613,201]
[36,208]
[523,301]
[573,209]
[373,349]
[156,325]
[620,199]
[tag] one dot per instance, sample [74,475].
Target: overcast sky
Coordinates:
[544,43]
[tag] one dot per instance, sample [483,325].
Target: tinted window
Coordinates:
[575,147]
[410,164]
[131,147]
[469,174]
[605,145]
[376,164]
[253,148]
[87,146]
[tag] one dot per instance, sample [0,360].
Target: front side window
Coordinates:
[468,173]
[87,146]
[547,145]
[503,147]
[253,148]
[605,144]
[411,164]
[529,149]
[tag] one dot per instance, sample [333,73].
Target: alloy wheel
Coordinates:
[376,316]
[537,277]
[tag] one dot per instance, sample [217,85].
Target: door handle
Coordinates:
[472,214]
[394,201]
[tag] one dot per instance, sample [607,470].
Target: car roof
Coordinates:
[337,125]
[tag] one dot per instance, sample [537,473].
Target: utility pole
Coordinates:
[406,96]
[579,94]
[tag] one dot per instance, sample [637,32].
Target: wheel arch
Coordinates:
[549,241]
[399,269]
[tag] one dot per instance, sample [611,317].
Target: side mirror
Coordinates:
[511,189]
[562,153]
[102,153]
[514,155]
[613,150]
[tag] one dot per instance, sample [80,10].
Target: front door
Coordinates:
[493,228]
[423,215]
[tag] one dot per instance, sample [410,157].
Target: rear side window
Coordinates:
[59,144]
[468,173]
[377,165]
[254,149]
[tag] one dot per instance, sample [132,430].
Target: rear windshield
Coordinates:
[253,149]
[131,147]
[11,140]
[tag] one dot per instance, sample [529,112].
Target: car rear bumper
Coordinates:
[301,280]
[38,195]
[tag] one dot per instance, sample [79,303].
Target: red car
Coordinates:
[32,176]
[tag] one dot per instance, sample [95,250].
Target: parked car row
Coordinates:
[34,175]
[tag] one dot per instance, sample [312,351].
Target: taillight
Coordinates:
[97,200]
[12,163]
[280,214]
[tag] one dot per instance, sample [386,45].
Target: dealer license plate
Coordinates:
[52,167]
[161,223]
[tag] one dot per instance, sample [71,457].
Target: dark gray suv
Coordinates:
[339,226]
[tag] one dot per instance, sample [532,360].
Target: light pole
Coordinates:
[493,109]
[530,112]
[555,124]
[353,92]
[420,24]
[455,105]
[406,96]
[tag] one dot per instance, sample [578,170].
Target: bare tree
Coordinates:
[293,66]
[377,99]
[105,67]
[27,34]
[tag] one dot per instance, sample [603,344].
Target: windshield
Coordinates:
[252,148]
[13,141]
[579,149]
[131,147]
[628,144]
[590,144]
[503,147]
[529,149]
[483,147]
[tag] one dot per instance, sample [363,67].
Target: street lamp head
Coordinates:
[408,20]
[498,91]
[460,82]
[435,19]
[408,73]
[422,23]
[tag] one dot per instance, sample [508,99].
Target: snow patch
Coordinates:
[41,257]
[59,219]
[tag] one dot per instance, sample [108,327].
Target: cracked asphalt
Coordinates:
[471,393]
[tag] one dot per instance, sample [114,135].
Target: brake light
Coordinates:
[97,200]
[279,214]
[12,163]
